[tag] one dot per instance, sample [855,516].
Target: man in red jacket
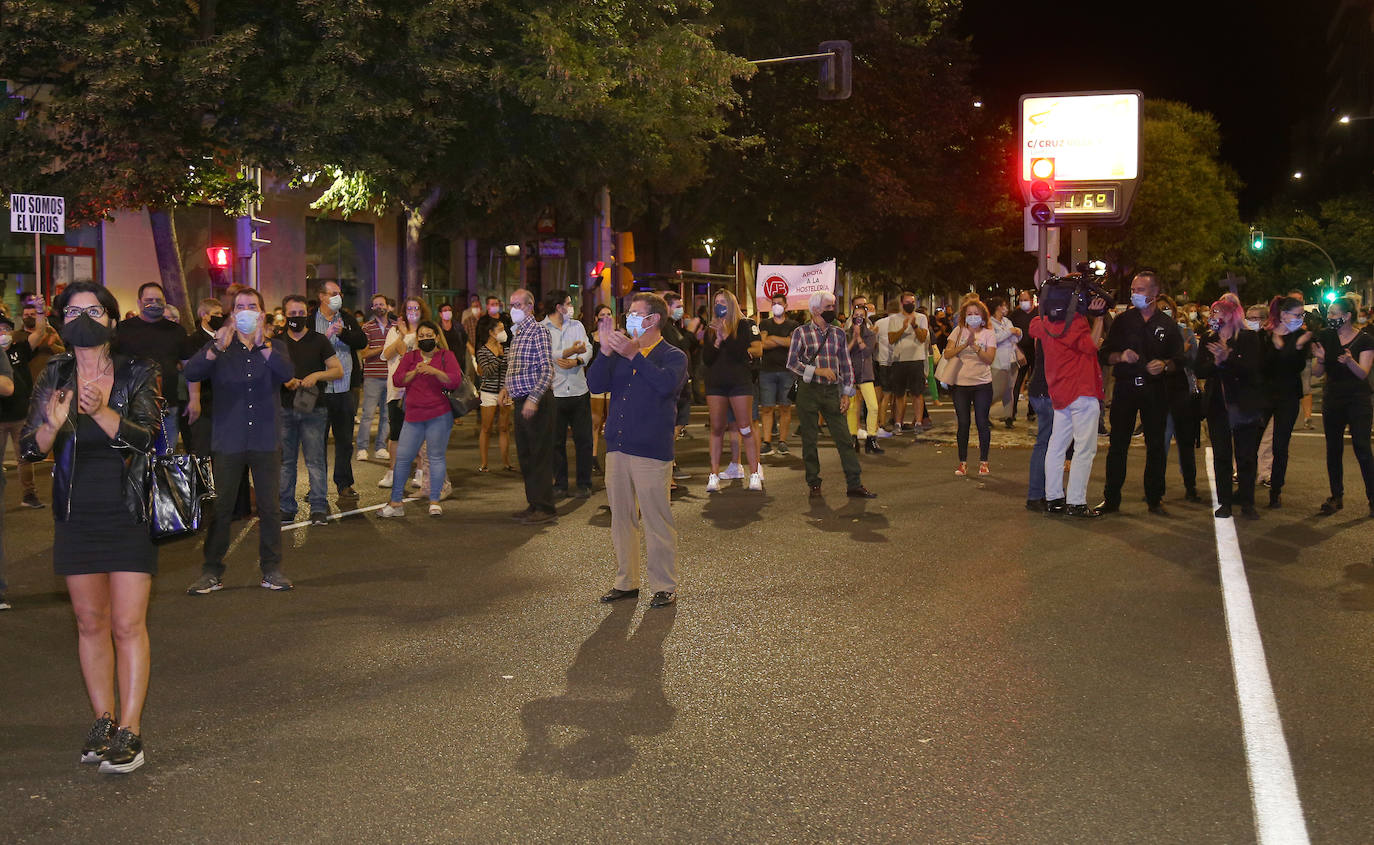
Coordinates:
[1075,382]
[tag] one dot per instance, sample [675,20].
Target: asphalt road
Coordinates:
[936,665]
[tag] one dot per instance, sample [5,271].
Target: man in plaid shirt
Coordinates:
[529,383]
[819,354]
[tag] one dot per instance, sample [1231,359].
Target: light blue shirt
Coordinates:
[570,382]
[338,385]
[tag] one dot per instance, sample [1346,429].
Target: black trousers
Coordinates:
[1021,375]
[1336,416]
[230,471]
[534,447]
[340,408]
[1238,443]
[977,400]
[1150,403]
[1185,410]
[573,412]
[199,437]
[1285,416]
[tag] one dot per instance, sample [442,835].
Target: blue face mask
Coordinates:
[634,325]
[974,321]
[246,321]
[1139,300]
[721,310]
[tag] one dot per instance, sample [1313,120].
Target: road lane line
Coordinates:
[305,523]
[1273,789]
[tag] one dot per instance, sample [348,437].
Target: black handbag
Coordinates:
[463,399]
[180,487]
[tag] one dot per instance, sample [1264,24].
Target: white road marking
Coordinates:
[1273,789]
[305,523]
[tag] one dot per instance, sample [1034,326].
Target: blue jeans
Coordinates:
[773,388]
[374,399]
[433,432]
[304,433]
[1044,421]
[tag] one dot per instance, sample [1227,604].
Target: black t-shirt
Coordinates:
[1155,339]
[729,364]
[16,405]
[1341,384]
[308,355]
[163,342]
[775,359]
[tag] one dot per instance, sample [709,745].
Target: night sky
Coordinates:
[1256,66]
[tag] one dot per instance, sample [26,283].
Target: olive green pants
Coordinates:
[824,399]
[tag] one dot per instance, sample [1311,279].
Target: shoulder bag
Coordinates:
[180,488]
[463,398]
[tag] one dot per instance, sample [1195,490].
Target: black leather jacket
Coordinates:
[134,396]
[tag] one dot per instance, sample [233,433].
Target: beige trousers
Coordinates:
[638,492]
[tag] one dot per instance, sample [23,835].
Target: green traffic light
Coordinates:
[1330,296]
[1256,240]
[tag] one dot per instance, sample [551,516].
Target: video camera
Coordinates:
[1063,296]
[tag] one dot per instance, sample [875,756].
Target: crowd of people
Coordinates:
[261,390]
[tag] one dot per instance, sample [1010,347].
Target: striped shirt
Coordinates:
[529,370]
[376,336]
[814,348]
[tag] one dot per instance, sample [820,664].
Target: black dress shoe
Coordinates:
[1191,495]
[1055,506]
[1249,512]
[1157,508]
[1035,505]
[1223,512]
[1083,512]
[860,492]
[617,595]
[1331,505]
[815,492]
[1274,502]
[1108,507]
[662,598]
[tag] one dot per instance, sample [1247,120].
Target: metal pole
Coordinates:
[1315,246]
[1041,254]
[38,266]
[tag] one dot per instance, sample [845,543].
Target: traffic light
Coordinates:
[835,79]
[1330,296]
[1256,240]
[221,265]
[1042,190]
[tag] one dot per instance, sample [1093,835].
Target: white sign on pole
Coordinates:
[33,214]
[796,282]
[1090,136]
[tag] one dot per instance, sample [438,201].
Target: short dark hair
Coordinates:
[775,297]
[256,294]
[553,299]
[146,285]
[995,302]
[294,297]
[379,294]
[432,326]
[671,296]
[321,290]
[657,305]
[1147,273]
[906,293]
[102,294]
[492,296]
[855,298]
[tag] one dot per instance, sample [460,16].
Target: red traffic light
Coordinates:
[220,256]
[596,271]
[1042,171]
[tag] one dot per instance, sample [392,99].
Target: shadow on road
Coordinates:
[853,519]
[615,691]
[1362,598]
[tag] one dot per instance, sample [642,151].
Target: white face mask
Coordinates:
[517,315]
[1026,305]
[973,321]
[5,340]
[1252,325]
[778,310]
[501,336]
[1293,323]
[1168,312]
[335,302]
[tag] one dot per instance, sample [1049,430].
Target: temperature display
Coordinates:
[1086,201]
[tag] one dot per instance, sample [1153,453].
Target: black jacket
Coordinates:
[352,336]
[133,395]
[1239,380]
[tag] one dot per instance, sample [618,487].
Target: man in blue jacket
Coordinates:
[643,376]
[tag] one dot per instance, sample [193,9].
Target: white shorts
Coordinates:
[488,399]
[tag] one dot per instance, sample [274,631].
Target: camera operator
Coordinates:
[1068,343]
[1142,346]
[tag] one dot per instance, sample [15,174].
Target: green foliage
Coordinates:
[1343,226]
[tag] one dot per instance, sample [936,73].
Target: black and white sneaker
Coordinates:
[125,754]
[204,586]
[276,581]
[98,741]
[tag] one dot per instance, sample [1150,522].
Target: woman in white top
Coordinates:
[400,339]
[1004,364]
[972,347]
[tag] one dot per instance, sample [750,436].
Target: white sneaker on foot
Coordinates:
[382,455]
[435,510]
[386,479]
[732,471]
[713,483]
[389,510]
[882,434]
[756,481]
[361,456]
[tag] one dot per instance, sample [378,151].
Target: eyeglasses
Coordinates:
[71,312]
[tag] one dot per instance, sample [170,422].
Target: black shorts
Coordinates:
[880,376]
[396,417]
[907,378]
[684,410]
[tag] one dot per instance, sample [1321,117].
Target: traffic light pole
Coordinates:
[1317,247]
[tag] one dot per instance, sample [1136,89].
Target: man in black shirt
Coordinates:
[1141,346]
[14,409]
[303,430]
[775,380]
[149,335]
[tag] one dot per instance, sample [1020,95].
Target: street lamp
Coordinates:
[1297,174]
[512,250]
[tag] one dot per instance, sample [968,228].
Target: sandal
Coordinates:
[483,468]
[510,468]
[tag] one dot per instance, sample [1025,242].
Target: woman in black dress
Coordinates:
[97,414]
[732,342]
[1345,355]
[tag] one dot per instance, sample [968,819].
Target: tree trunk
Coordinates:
[169,259]
[415,223]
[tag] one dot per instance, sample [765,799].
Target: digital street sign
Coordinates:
[1088,143]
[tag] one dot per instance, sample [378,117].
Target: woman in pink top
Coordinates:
[425,372]
[973,346]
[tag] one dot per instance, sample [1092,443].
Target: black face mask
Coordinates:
[909,307]
[1335,322]
[30,322]
[154,312]
[84,332]
[216,322]
[295,324]
[828,316]
[428,344]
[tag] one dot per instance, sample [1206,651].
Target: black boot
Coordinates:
[871,446]
[1331,505]
[1274,502]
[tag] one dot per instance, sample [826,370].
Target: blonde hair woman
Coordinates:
[731,343]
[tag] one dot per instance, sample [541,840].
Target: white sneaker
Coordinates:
[713,483]
[756,481]
[386,479]
[418,481]
[382,455]
[882,434]
[435,510]
[361,456]
[388,510]
[733,471]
